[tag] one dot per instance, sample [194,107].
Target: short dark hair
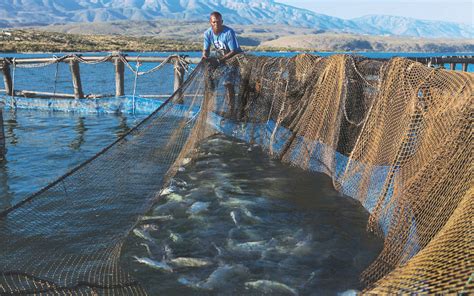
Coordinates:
[216,14]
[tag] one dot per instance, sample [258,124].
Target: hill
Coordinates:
[351,42]
[252,37]
[15,13]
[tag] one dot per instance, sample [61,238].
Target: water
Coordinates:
[251,218]
[42,146]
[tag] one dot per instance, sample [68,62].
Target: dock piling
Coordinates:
[7,78]
[178,74]
[76,79]
[119,77]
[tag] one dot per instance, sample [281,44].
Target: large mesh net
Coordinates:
[395,135]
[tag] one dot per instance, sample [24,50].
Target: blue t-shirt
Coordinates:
[224,42]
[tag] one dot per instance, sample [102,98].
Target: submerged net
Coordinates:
[395,135]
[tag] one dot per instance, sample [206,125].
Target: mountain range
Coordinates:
[20,13]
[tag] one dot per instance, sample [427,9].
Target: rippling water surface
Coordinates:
[237,222]
[42,146]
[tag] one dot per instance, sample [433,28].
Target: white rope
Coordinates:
[154,69]
[135,84]
[45,64]
[56,76]
[360,74]
[13,103]
[344,99]
[82,60]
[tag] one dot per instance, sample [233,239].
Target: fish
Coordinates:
[186,161]
[190,262]
[349,293]
[250,217]
[179,183]
[189,282]
[174,197]
[304,247]
[168,252]
[233,215]
[271,287]
[248,247]
[166,191]
[147,247]
[220,252]
[198,207]
[233,202]
[154,264]
[244,234]
[223,275]
[169,208]
[150,227]
[175,237]
[159,218]
[143,234]
[219,192]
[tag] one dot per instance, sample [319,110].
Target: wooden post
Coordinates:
[178,75]
[453,66]
[178,81]
[464,67]
[3,150]
[7,78]
[76,79]
[119,77]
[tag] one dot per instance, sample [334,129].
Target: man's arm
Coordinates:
[206,47]
[228,56]
[233,47]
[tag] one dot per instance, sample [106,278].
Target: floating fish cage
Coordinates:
[303,175]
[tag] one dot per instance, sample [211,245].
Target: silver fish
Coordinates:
[147,247]
[154,264]
[198,207]
[190,262]
[175,237]
[349,293]
[221,277]
[233,215]
[219,192]
[156,218]
[166,191]
[168,252]
[186,161]
[250,217]
[174,197]
[271,287]
[143,234]
[248,247]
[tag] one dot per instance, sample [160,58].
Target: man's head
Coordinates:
[216,22]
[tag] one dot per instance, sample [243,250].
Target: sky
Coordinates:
[460,11]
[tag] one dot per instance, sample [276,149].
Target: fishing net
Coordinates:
[394,135]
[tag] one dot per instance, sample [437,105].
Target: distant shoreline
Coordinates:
[34,41]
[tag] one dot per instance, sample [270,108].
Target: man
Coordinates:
[222,38]
[224,41]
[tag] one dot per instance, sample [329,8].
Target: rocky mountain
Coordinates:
[14,13]
[403,26]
